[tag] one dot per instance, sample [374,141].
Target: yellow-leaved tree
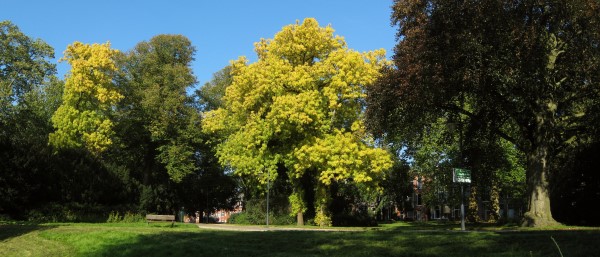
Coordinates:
[301,107]
[81,120]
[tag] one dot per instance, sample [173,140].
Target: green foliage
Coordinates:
[67,212]
[24,65]
[517,71]
[210,96]
[297,203]
[245,218]
[178,159]
[239,218]
[127,217]
[256,213]
[322,201]
[27,93]
[157,111]
[113,217]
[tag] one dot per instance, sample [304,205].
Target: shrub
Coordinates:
[131,217]
[113,217]
[239,218]
[76,212]
[256,213]
[128,217]
[282,219]
[70,212]
[5,218]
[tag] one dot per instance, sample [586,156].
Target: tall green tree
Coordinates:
[155,77]
[26,78]
[28,165]
[300,108]
[527,71]
[24,64]
[162,152]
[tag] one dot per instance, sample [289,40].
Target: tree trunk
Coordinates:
[538,196]
[300,218]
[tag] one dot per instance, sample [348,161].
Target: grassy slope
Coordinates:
[187,240]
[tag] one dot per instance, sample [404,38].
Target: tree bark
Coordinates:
[300,219]
[538,196]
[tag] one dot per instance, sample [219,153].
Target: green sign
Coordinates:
[461,175]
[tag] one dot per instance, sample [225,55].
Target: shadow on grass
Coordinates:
[428,226]
[448,226]
[347,244]
[8,231]
[271,243]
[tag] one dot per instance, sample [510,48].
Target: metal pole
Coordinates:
[462,207]
[206,207]
[268,185]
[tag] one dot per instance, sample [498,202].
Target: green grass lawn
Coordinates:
[398,239]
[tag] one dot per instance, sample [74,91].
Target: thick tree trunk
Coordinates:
[300,219]
[538,196]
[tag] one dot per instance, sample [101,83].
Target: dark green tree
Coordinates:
[24,64]
[162,154]
[25,108]
[156,124]
[526,71]
[211,94]
[156,75]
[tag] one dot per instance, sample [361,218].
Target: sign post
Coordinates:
[462,176]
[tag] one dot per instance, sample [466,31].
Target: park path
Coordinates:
[230,227]
[254,228]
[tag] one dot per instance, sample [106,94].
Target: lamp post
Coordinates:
[462,206]
[462,176]
[268,189]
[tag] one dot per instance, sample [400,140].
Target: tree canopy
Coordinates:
[300,106]
[82,118]
[526,71]
[506,89]
[156,75]
[24,63]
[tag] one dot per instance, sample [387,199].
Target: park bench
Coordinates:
[155,217]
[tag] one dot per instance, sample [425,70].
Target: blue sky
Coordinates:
[221,30]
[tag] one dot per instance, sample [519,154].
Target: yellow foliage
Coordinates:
[88,94]
[300,105]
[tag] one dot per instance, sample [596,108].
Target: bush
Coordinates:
[70,212]
[244,218]
[76,212]
[283,219]
[113,217]
[239,218]
[256,214]
[128,217]
[5,218]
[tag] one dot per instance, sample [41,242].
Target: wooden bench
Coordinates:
[155,217]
